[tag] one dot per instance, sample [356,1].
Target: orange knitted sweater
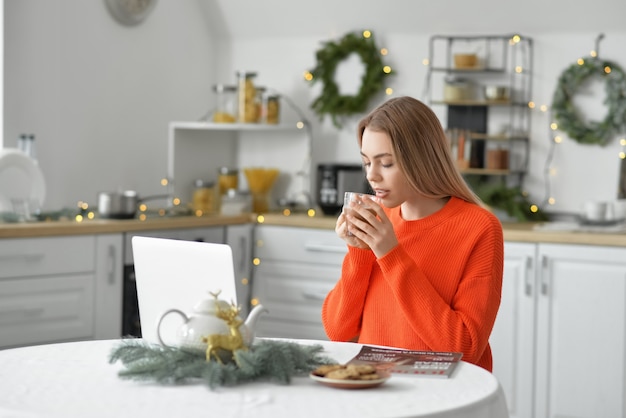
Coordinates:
[437,290]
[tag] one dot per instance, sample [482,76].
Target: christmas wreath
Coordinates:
[330,101]
[566,115]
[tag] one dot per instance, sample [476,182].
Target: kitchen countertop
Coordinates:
[517,232]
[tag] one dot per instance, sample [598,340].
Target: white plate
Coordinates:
[20,178]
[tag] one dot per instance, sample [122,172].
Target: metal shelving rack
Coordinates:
[504,60]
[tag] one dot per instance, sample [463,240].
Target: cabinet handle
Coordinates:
[112,264]
[25,257]
[544,275]
[244,253]
[528,283]
[316,296]
[324,248]
[24,312]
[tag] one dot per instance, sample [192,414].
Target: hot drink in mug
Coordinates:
[358,198]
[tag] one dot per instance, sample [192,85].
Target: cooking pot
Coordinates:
[121,205]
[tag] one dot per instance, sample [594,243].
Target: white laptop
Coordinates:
[178,274]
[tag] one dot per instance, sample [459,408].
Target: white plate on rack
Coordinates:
[20,178]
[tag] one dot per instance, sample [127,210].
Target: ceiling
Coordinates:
[281,18]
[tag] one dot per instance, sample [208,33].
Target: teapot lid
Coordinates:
[208,306]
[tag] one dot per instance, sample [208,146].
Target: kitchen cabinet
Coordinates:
[196,150]
[492,124]
[50,289]
[559,340]
[294,268]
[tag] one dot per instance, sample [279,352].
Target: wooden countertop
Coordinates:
[111,226]
[514,232]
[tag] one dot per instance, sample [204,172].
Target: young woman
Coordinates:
[424,264]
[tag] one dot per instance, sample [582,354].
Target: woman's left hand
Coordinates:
[372,226]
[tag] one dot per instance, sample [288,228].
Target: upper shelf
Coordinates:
[211,126]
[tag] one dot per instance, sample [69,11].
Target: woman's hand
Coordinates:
[341,228]
[366,225]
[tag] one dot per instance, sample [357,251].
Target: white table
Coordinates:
[75,380]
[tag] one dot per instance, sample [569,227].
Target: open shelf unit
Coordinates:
[504,123]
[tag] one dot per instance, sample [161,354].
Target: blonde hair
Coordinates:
[420,146]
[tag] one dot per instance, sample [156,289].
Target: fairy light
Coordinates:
[384,51]
[308,76]
[164,182]
[286,212]
[388,91]
[387,69]
[367,34]
[310,213]
[531,105]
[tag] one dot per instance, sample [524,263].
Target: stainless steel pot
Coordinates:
[121,205]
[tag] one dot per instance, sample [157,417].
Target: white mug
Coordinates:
[596,211]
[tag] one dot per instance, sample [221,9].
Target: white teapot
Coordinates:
[213,317]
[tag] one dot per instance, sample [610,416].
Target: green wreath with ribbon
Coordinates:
[568,118]
[330,102]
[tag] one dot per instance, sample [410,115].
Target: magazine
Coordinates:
[422,363]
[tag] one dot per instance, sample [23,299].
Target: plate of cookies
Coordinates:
[351,376]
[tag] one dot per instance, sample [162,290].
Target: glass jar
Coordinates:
[270,110]
[228,178]
[203,202]
[226,103]
[236,202]
[247,109]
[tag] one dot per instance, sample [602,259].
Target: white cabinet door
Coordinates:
[108,303]
[512,339]
[581,332]
[294,270]
[47,290]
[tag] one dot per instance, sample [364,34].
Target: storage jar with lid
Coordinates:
[236,202]
[228,178]
[247,109]
[226,103]
[270,109]
[203,202]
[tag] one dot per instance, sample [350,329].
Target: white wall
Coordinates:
[99,96]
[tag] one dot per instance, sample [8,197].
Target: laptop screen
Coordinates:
[178,274]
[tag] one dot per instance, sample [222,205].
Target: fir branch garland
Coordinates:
[568,118]
[271,360]
[330,102]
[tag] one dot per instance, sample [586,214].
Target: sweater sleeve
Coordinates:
[465,322]
[342,309]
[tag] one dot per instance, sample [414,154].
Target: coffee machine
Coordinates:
[333,180]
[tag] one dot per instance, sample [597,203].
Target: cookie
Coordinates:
[362,369]
[343,374]
[326,368]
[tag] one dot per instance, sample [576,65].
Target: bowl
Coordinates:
[496,92]
[465,60]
